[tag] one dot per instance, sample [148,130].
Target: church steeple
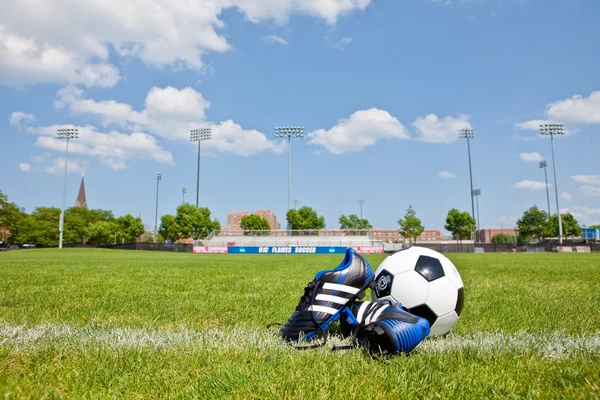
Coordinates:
[81,201]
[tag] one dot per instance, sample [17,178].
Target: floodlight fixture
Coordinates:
[199,135]
[289,133]
[65,134]
[553,130]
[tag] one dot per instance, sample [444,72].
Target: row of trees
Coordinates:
[82,225]
[537,224]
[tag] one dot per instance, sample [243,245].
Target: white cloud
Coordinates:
[170,112]
[446,175]
[57,166]
[587,215]
[566,196]
[588,190]
[112,148]
[25,167]
[17,117]
[587,179]
[531,156]
[67,41]
[363,128]
[530,185]
[577,109]
[280,10]
[271,39]
[434,130]
[588,210]
[343,43]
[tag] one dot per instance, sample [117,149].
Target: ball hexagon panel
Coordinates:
[442,296]
[398,262]
[429,267]
[451,272]
[410,289]
[443,324]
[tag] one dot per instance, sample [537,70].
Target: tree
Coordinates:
[461,224]
[41,227]
[503,238]
[595,227]
[11,219]
[569,224]
[533,224]
[254,222]
[168,228]
[410,226]
[130,228]
[305,218]
[195,222]
[101,232]
[354,223]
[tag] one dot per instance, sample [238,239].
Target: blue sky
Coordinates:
[381,88]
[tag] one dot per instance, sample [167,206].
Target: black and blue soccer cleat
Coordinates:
[384,326]
[326,297]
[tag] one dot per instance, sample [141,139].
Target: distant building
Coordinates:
[81,200]
[234,219]
[392,235]
[269,216]
[486,235]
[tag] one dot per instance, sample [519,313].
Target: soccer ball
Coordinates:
[426,283]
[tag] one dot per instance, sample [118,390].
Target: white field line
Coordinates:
[20,337]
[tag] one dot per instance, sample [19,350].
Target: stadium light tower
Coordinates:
[469,134]
[554,129]
[289,133]
[65,134]
[476,194]
[199,135]
[361,202]
[544,164]
[158,179]
[183,192]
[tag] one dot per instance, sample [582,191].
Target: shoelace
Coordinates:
[308,298]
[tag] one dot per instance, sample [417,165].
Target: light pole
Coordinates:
[183,192]
[469,134]
[158,179]
[476,194]
[198,135]
[66,134]
[554,129]
[295,204]
[544,165]
[289,133]
[361,202]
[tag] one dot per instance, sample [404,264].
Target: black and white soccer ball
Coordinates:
[426,283]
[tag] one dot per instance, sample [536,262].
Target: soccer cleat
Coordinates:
[385,327]
[326,297]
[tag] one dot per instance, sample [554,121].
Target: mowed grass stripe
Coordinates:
[557,345]
[126,324]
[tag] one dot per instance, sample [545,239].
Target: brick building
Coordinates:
[269,216]
[392,235]
[486,235]
[234,219]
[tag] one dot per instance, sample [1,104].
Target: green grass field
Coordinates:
[110,323]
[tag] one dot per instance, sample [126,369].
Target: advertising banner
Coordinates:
[210,249]
[286,250]
[302,249]
[369,249]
